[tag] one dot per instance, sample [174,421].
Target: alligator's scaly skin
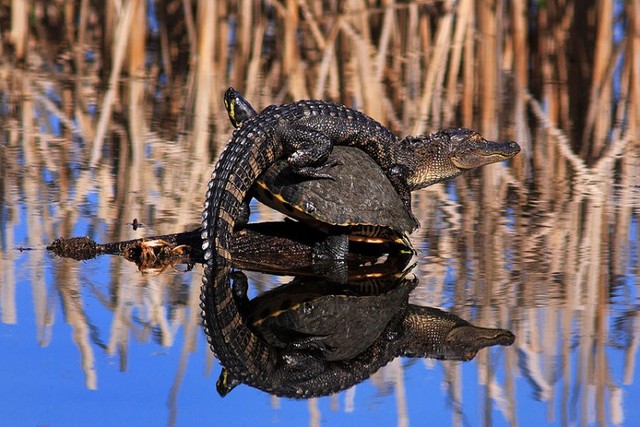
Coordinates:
[253,148]
[243,354]
[275,132]
[305,132]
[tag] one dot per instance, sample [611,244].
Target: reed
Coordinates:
[19,27]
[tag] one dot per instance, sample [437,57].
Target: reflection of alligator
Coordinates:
[313,338]
[306,131]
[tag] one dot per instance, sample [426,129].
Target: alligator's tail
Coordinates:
[250,152]
[239,350]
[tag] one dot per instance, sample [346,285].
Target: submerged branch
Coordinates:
[267,246]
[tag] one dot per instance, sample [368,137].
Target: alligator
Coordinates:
[312,352]
[304,132]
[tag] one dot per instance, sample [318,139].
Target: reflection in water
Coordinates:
[546,246]
[313,337]
[554,259]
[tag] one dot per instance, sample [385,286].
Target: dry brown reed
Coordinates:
[416,65]
[535,247]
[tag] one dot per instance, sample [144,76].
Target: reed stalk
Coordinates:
[123,28]
[204,82]
[19,27]
[437,65]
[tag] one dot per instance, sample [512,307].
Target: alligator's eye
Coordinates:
[415,142]
[476,136]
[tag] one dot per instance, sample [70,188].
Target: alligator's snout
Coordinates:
[476,338]
[512,148]
[506,150]
[503,337]
[478,152]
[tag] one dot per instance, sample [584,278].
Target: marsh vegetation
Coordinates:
[113,110]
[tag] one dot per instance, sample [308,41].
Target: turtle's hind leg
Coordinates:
[334,247]
[329,256]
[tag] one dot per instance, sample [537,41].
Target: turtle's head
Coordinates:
[448,153]
[226,382]
[238,108]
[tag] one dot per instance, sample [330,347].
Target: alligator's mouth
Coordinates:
[479,154]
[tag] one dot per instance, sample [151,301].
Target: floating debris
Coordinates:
[135,224]
[155,256]
[77,248]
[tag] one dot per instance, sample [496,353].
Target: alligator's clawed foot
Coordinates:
[313,172]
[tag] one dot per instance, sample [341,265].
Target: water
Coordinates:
[545,246]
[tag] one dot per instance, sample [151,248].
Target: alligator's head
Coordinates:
[430,332]
[447,153]
[464,341]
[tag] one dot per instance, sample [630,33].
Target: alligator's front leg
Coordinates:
[397,174]
[310,150]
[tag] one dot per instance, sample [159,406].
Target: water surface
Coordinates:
[97,342]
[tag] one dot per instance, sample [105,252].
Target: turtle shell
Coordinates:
[359,201]
[336,320]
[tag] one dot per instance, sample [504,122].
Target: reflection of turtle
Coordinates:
[312,337]
[338,321]
[359,202]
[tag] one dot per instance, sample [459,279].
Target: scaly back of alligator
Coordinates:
[237,348]
[276,132]
[251,150]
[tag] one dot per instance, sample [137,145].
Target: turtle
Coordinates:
[312,319]
[329,318]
